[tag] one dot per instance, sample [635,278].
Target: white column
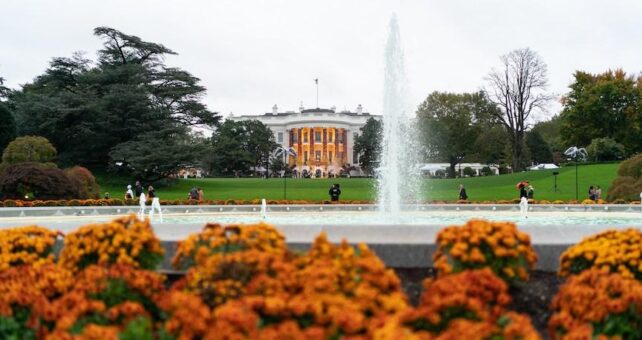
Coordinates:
[350,143]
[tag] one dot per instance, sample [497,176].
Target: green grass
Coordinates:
[478,188]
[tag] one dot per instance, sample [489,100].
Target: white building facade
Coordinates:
[323,138]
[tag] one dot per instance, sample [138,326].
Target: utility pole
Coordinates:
[316,81]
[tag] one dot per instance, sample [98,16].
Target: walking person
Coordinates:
[141,201]
[591,193]
[462,193]
[129,194]
[334,192]
[523,198]
[151,193]
[138,189]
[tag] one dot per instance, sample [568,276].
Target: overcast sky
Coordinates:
[251,55]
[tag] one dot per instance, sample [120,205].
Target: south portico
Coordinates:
[322,138]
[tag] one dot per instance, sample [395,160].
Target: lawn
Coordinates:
[478,188]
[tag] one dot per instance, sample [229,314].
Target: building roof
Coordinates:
[317,110]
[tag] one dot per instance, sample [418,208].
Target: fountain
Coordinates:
[397,178]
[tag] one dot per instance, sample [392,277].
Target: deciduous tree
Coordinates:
[450,124]
[518,88]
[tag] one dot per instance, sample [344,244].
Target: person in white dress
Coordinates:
[141,201]
[129,194]
[151,193]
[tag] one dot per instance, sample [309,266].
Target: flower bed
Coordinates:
[135,202]
[242,281]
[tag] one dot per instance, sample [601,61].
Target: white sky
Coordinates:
[251,55]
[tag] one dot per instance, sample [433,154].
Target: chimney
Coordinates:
[275,110]
[359,109]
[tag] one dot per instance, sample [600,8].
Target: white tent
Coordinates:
[544,166]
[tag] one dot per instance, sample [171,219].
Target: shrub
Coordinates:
[595,304]
[605,149]
[487,171]
[480,244]
[84,181]
[588,201]
[29,149]
[35,181]
[125,240]
[629,184]
[612,250]
[469,172]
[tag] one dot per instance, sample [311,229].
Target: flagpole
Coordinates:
[316,81]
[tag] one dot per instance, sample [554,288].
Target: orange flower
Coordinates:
[478,244]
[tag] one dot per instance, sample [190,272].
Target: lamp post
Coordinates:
[284,152]
[576,153]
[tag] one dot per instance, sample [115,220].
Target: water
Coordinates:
[397,177]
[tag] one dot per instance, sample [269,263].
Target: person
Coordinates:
[530,191]
[523,193]
[334,192]
[193,194]
[462,193]
[200,194]
[598,193]
[151,193]
[141,201]
[129,194]
[591,193]
[523,198]
[138,190]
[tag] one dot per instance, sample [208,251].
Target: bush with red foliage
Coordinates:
[36,181]
[84,181]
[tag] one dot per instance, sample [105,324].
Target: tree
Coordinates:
[4,91]
[29,149]
[491,146]
[238,146]
[450,123]
[87,109]
[549,130]
[518,89]
[605,149]
[368,145]
[7,126]
[539,150]
[157,154]
[603,105]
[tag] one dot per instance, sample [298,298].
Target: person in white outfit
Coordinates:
[142,200]
[523,200]
[151,193]
[129,194]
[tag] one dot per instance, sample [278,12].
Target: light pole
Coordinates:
[576,153]
[284,152]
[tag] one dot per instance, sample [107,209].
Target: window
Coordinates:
[340,155]
[317,136]
[279,137]
[330,134]
[305,156]
[330,157]
[340,137]
[317,155]
[305,137]
[295,136]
